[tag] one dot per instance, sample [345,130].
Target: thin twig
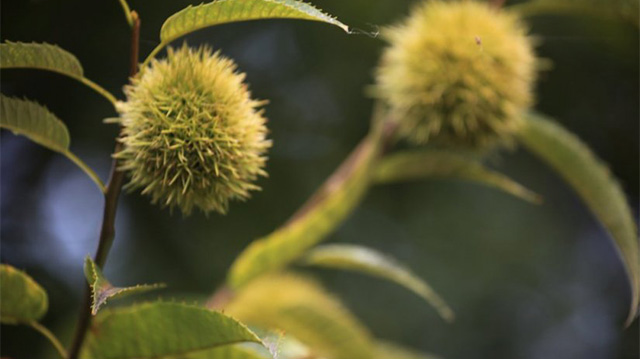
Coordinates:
[52,338]
[112,193]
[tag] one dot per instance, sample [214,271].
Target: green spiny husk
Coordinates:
[457,73]
[192,135]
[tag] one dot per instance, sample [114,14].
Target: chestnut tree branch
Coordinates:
[111,196]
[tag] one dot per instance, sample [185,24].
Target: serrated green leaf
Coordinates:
[102,290]
[302,308]
[160,330]
[219,12]
[415,165]
[36,122]
[47,57]
[22,300]
[310,225]
[237,351]
[369,261]
[595,185]
[386,350]
[626,10]
[39,56]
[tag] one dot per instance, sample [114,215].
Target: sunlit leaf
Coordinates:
[22,300]
[102,290]
[416,165]
[385,350]
[312,223]
[37,123]
[219,12]
[160,330]
[366,260]
[595,185]
[301,308]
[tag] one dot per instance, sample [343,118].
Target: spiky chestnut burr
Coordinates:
[192,135]
[457,73]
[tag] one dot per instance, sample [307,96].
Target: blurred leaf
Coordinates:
[22,300]
[416,165]
[317,219]
[594,183]
[160,330]
[301,308]
[385,350]
[626,10]
[16,55]
[369,261]
[194,18]
[102,290]
[283,346]
[34,121]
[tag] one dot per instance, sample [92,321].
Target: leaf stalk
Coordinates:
[86,169]
[50,336]
[97,88]
[127,13]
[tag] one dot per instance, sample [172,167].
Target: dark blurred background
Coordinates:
[531,282]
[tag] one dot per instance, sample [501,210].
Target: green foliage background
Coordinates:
[525,281]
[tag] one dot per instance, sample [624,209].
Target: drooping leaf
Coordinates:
[301,308]
[39,56]
[102,290]
[34,121]
[312,223]
[160,330]
[366,260]
[218,12]
[415,165]
[47,57]
[386,350]
[626,10]
[595,185]
[22,300]
[37,123]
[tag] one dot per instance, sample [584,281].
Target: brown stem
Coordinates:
[349,165]
[112,193]
[337,178]
[223,295]
[496,4]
